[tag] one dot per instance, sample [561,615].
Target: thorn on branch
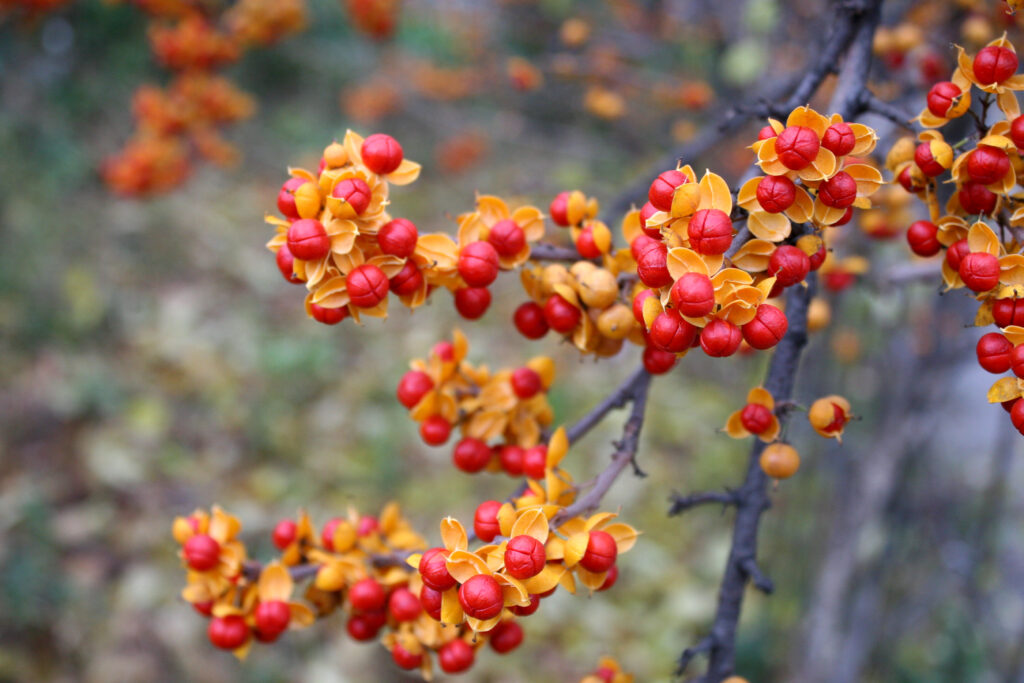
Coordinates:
[760,580]
[703,647]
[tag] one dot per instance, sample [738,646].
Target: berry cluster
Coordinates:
[979,228]
[445,391]
[184,120]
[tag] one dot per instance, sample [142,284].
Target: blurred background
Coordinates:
[152,361]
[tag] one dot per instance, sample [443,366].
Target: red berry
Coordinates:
[664,187]
[789,265]
[535,461]
[765,133]
[669,332]
[756,418]
[354,192]
[560,315]
[720,338]
[1017,416]
[530,321]
[925,160]
[485,520]
[524,557]
[818,257]
[286,263]
[767,328]
[471,455]
[527,610]
[601,552]
[368,524]
[646,211]
[507,238]
[776,193]
[923,238]
[456,656]
[942,97]
[413,386]
[408,281]
[586,245]
[430,599]
[611,578]
[202,552]
[367,285]
[993,352]
[481,597]
[511,458]
[308,240]
[526,383]
[398,237]
[506,637]
[994,64]
[987,164]
[444,350]
[658,362]
[640,244]
[381,153]
[839,139]
[478,264]
[327,533]
[979,271]
[605,674]
[403,605]
[797,147]
[284,533]
[1006,405]
[975,198]
[652,266]
[693,295]
[434,571]
[1017,132]
[956,253]
[405,659]
[362,627]
[559,209]
[286,197]
[908,181]
[710,231]
[205,608]
[328,316]
[272,617]
[1017,360]
[1008,312]
[839,191]
[472,302]
[366,595]
[845,219]
[838,280]
[638,304]
[228,633]
[435,430]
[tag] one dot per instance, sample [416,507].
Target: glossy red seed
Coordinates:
[408,280]
[994,64]
[524,557]
[658,362]
[611,578]
[202,552]
[710,232]
[987,164]
[530,321]
[1017,360]
[956,253]
[403,605]
[413,386]
[471,455]
[942,97]
[272,617]
[506,636]
[1008,312]
[776,193]
[652,266]
[767,328]
[1017,132]
[367,595]
[993,351]
[646,211]
[481,597]
[797,147]
[435,430]
[693,295]
[398,237]
[511,459]
[756,418]
[601,552]
[669,332]
[535,461]
[526,383]
[485,520]
[405,659]
[328,316]
[1017,416]
[327,533]
[286,197]
[979,271]
[354,192]
[527,610]
[560,315]
[922,236]
[308,240]
[367,285]
[663,189]
[975,198]
[434,571]
[286,264]
[472,302]
[478,264]
[765,133]
[638,304]
[908,181]
[839,139]
[381,153]
[559,209]
[362,627]
[368,524]
[720,338]
[839,191]
[284,533]
[640,244]
[585,244]
[430,600]
[228,633]
[456,656]
[507,238]
[789,265]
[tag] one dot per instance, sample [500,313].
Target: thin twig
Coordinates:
[681,503]
[617,399]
